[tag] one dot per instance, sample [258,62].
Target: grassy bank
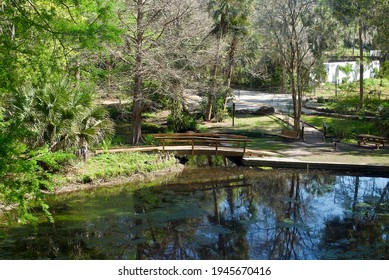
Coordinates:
[109,167]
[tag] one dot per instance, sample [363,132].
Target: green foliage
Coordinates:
[181,123]
[58,114]
[106,144]
[346,69]
[345,104]
[39,39]
[384,71]
[148,139]
[382,120]
[340,131]
[52,162]
[222,115]
[179,120]
[149,127]
[23,175]
[343,128]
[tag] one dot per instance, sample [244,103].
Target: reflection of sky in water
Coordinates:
[294,217]
[322,207]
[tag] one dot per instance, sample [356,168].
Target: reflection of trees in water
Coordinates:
[363,232]
[268,215]
[284,232]
[211,236]
[230,208]
[57,241]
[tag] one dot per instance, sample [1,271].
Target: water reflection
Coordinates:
[216,214]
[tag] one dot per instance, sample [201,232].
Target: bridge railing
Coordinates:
[204,139]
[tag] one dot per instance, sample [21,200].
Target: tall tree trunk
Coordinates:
[230,66]
[361,97]
[356,189]
[295,99]
[208,115]
[109,75]
[137,106]
[219,37]
[295,62]
[283,90]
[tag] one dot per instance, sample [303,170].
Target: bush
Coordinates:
[181,123]
[221,115]
[148,127]
[340,131]
[383,119]
[58,114]
[148,139]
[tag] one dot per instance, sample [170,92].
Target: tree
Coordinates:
[294,31]
[39,40]
[42,38]
[152,29]
[381,21]
[231,19]
[359,12]
[239,29]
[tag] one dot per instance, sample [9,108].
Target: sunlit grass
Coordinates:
[105,166]
[260,129]
[350,127]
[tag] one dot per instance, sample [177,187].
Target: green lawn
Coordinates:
[105,166]
[343,128]
[260,129]
[329,90]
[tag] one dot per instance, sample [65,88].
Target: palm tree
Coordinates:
[59,115]
[231,19]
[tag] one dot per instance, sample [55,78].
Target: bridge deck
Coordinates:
[195,144]
[203,143]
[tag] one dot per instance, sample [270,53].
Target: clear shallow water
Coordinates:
[215,213]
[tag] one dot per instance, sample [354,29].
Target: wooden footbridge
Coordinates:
[228,145]
[204,143]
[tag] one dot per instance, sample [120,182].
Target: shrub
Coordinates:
[148,139]
[382,120]
[58,114]
[221,115]
[181,122]
[340,131]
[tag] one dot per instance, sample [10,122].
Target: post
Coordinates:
[302,130]
[233,114]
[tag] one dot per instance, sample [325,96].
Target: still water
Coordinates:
[215,213]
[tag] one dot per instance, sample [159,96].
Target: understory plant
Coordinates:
[24,174]
[59,114]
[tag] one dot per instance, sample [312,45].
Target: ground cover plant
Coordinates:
[110,165]
[345,129]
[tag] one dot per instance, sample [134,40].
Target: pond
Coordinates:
[215,213]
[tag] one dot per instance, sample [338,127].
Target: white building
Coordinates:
[335,75]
